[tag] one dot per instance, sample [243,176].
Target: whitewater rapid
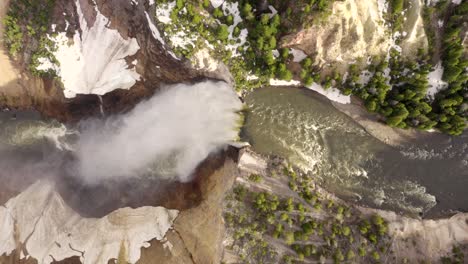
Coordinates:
[346,160]
[167,135]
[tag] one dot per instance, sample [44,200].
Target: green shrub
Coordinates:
[223,32]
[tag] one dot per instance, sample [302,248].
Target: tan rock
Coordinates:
[356,30]
[413,30]
[202,228]
[173,251]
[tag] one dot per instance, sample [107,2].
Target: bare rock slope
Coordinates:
[356,30]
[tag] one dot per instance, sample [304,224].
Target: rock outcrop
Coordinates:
[44,224]
[357,30]
[39,222]
[413,33]
[199,231]
[416,239]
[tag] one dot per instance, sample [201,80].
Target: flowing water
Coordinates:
[132,159]
[429,178]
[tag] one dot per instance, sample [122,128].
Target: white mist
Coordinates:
[173,131]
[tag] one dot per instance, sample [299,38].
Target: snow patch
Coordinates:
[233,9]
[216,3]
[436,83]
[440,23]
[298,55]
[276,53]
[45,65]
[252,77]
[163,12]
[273,11]
[53,231]
[95,62]
[276,82]
[182,40]
[332,93]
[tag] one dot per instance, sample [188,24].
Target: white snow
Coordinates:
[216,3]
[45,64]
[233,9]
[436,83]
[276,82]
[182,37]
[49,228]
[252,77]
[273,11]
[182,40]
[298,55]
[7,238]
[151,2]
[135,2]
[332,93]
[275,53]
[163,12]
[457,2]
[440,23]
[95,62]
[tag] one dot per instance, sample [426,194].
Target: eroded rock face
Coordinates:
[48,230]
[413,33]
[416,239]
[42,224]
[356,30]
[198,232]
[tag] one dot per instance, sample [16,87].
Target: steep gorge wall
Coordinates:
[357,30]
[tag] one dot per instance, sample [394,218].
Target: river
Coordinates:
[430,178]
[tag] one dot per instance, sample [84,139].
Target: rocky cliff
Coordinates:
[357,30]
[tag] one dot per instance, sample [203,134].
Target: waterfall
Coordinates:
[171,133]
[101,106]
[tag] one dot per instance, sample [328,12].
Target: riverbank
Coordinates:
[424,239]
[411,240]
[376,127]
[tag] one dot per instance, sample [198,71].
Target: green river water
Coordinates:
[430,178]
